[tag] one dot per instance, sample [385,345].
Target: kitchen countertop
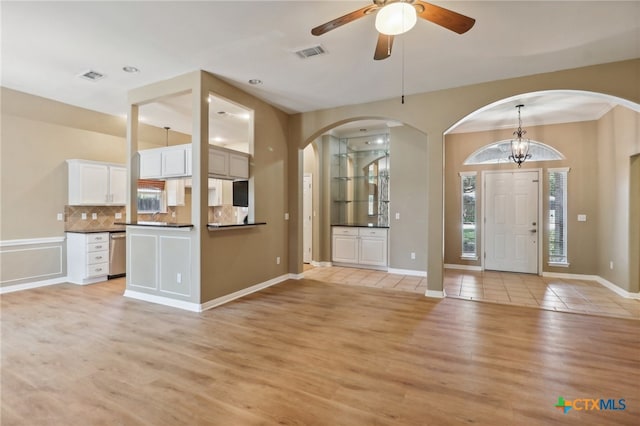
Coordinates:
[221,226]
[98,230]
[359,225]
[159,224]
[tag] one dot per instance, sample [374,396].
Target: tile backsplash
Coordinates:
[105,217]
[227,214]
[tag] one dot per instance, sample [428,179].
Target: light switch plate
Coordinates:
[397,216]
[59,216]
[118,215]
[84,216]
[582,218]
[94,216]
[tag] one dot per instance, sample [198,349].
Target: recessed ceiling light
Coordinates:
[255,81]
[131,69]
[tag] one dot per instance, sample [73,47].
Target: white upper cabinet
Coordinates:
[95,183]
[228,164]
[175,192]
[175,161]
[118,185]
[238,165]
[171,161]
[218,162]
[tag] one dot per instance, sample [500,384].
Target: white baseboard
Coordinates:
[320,264]
[296,276]
[570,276]
[36,284]
[245,291]
[603,282]
[409,272]
[611,286]
[436,294]
[161,300]
[463,267]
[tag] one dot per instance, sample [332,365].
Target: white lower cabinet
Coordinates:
[366,247]
[87,257]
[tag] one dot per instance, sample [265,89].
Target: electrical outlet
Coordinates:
[397,216]
[94,216]
[611,265]
[173,214]
[59,216]
[278,260]
[286,216]
[413,256]
[84,216]
[118,215]
[179,278]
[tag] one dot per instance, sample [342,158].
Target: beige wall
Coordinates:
[234,260]
[408,197]
[578,143]
[433,113]
[618,140]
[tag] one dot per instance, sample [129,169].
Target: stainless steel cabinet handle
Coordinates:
[533,231]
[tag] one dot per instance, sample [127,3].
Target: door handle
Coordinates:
[533,231]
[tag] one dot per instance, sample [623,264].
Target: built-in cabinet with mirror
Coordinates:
[360,181]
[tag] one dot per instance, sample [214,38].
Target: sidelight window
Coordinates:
[468,203]
[557,216]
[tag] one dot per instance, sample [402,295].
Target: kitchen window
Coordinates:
[151,197]
[468,203]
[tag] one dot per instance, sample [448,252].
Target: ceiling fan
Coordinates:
[438,15]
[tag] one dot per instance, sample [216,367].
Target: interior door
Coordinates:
[307,218]
[511,221]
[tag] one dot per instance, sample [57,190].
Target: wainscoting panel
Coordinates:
[29,261]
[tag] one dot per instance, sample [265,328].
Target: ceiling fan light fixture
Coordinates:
[396,18]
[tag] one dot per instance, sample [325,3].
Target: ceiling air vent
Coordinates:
[311,51]
[91,75]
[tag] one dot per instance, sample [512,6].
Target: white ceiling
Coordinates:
[46,45]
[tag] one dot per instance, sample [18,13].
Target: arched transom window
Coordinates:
[499,152]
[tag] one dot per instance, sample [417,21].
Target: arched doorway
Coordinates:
[402,203]
[595,133]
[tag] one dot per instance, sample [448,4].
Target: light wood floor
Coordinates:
[307,353]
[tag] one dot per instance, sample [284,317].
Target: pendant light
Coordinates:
[519,145]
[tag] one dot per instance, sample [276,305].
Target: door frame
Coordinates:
[541,223]
[305,177]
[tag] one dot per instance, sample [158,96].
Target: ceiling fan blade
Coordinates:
[444,17]
[383,48]
[349,17]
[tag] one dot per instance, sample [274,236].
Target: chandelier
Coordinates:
[519,145]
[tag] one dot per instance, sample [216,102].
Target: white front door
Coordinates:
[511,221]
[307,218]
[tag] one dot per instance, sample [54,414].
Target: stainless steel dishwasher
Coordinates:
[117,254]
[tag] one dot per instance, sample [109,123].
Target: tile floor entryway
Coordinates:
[557,294]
